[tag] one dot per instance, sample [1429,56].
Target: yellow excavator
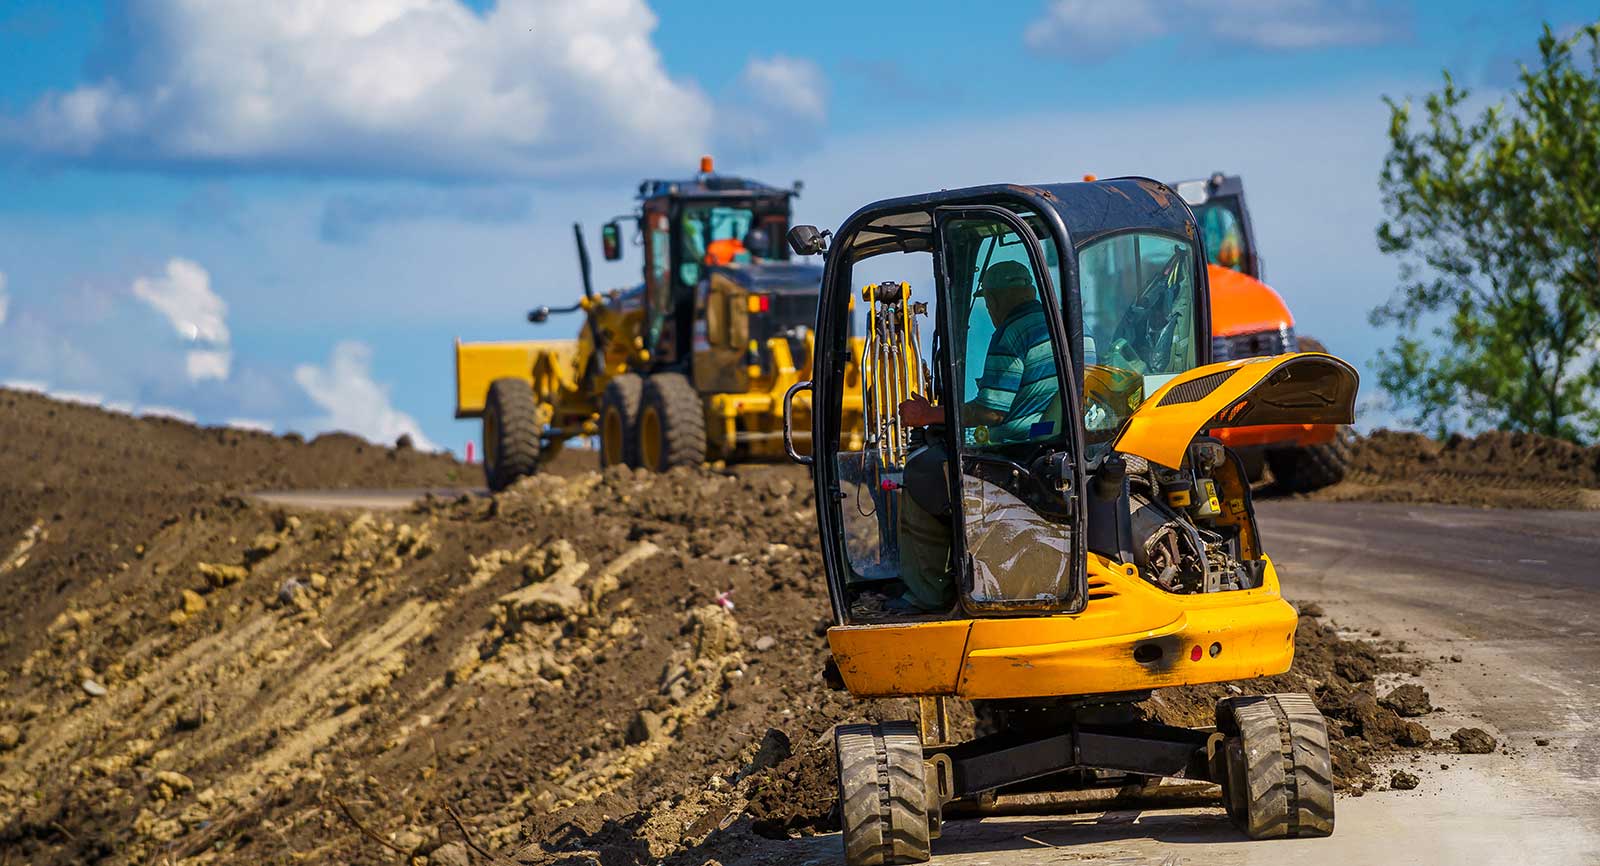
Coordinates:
[690,365]
[1038,519]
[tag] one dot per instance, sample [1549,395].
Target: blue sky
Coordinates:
[282,214]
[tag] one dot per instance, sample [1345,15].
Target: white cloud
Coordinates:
[254,424]
[353,401]
[196,313]
[84,398]
[531,88]
[202,364]
[32,385]
[778,105]
[5,300]
[171,412]
[184,296]
[1091,30]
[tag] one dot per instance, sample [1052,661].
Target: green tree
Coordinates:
[1494,214]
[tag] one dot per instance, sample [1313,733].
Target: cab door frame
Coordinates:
[1075,596]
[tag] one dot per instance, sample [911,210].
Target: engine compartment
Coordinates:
[1193,528]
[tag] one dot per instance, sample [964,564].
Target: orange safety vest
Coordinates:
[725,251]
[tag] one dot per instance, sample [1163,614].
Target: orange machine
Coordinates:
[1249,319]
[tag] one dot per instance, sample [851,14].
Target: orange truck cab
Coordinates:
[1249,319]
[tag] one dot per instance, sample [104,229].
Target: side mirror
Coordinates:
[539,316]
[807,240]
[611,241]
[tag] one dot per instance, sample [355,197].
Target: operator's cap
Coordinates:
[1002,275]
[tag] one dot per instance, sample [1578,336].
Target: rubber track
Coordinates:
[517,452]
[624,391]
[1289,773]
[683,419]
[882,794]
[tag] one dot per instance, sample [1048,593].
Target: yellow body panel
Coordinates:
[1086,653]
[913,659]
[1305,388]
[479,364]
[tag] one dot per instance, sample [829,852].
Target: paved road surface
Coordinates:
[361,500]
[1515,594]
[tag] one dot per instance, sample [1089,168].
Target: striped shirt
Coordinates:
[1019,373]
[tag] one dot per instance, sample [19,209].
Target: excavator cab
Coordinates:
[1218,204]
[1036,519]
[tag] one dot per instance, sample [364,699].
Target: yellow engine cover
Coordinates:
[1131,636]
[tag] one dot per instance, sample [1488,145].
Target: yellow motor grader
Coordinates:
[691,364]
[1038,520]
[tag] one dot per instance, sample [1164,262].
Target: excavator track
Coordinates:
[1279,778]
[882,794]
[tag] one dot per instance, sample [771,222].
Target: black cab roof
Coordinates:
[1085,210]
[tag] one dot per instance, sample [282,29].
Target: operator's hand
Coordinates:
[918,412]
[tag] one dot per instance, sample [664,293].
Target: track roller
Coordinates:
[883,798]
[1277,780]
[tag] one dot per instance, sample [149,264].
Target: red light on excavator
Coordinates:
[759,303]
[705,165]
[1196,653]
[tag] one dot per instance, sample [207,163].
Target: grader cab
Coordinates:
[689,365]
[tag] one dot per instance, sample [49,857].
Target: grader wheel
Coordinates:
[619,421]
[1278,781]
[883,808]
[510,433]
[672,423]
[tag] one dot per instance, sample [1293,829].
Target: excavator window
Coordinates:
[1017,531]
[1139,325]
[1223,235]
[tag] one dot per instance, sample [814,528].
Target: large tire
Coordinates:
[510,433]
[619,421]
[1310,344]
[1302,470]
[1277,750]
[883,800]
[672,423]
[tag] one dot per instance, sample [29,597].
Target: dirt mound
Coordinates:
[82,489]
[622,667]
[1497,469]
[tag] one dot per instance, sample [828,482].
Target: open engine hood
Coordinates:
[1303,388]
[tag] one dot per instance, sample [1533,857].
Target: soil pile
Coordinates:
[616,666]
[81,488]
[1495,469]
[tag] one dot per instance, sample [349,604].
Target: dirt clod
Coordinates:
[450,854]
[1400,780]
[1473,741]
[1409,700]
